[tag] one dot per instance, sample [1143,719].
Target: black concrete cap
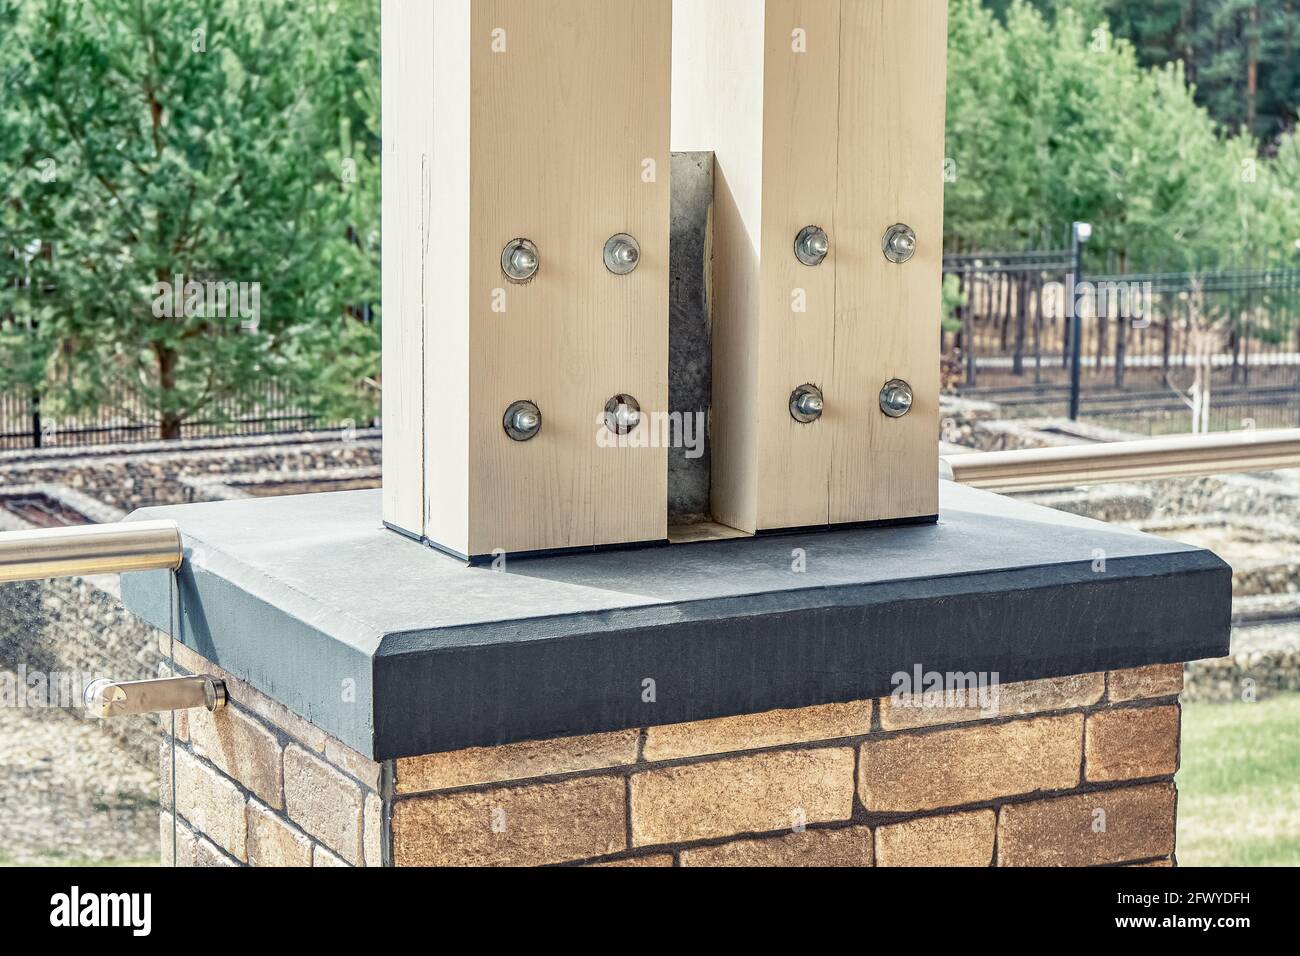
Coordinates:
[397,650]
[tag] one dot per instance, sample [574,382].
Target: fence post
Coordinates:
[37,428]
[1121,347]
[968,332]
[1022,292]
[1080,235]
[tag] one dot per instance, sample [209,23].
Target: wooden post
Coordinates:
[823,113]
[538,120]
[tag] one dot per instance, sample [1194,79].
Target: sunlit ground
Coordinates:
[1239,786]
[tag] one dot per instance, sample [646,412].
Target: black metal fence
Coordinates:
[1159,352]
[124,418]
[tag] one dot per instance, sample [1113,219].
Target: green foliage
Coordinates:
[1052,120]
[236,141]
[231,141]
[953,299]
[1220,43]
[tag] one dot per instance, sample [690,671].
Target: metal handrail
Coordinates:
[156,545]
[1181,456]
[90,549]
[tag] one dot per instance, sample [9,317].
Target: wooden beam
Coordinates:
[552,125]
[826,113]
[893,96]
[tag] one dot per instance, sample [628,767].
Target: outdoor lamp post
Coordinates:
[1080,235]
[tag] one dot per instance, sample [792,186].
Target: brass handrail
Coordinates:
[1068,466]
[90,549]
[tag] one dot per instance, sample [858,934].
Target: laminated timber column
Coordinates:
[824,115]
[541,126]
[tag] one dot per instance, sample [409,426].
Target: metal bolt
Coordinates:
[622,414]
[807,404]
[622,254]
[523,421]
[812,245]
[900,243]
[520,260]
[896,398]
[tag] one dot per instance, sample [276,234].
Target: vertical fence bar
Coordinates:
[1076,325]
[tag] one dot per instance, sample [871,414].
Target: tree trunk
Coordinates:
[1252,70]
[169,422]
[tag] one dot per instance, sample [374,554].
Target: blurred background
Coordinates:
[190,310]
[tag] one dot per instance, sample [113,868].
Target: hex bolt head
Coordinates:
[812,245]
[520,260]
[622,414]
[900,243]
[896,398]
[523,421]
[622,254]
[807,404]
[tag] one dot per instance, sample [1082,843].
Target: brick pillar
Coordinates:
[1072,771]
[257,785]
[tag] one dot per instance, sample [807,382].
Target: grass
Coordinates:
[1239,786]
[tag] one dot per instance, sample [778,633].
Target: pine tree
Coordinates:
[1241,55]
[166,144]
[1052,121]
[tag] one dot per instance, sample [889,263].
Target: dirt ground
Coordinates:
[70,795]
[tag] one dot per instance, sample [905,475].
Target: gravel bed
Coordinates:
[69,794]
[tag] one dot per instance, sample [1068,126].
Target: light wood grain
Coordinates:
[800,167]
[408,144]
[718,105]
[448,360]
[849,137]
[892,103]
[562,123]
[546,139]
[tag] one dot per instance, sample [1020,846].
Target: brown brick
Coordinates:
[951,768]
[166,838]
[350,762]
[750,794]
[655,859]
[324,802]
[165,751]
[272,841]
[373,848]
[955,839]
[1110,826]
[211,803]
[242,749]
[249,698]
[277,715]
[465,768]
[1007,700]
[848,847]
[323,857]
[512,826]
[206,854]
[755,731]
[1156,680]
[185,845]
[1130,743]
